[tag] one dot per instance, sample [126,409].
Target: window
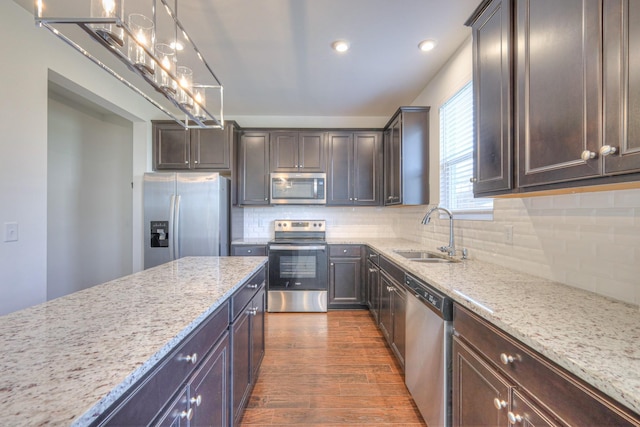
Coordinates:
[456,158]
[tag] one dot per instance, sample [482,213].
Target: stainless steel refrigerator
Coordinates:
[185,214]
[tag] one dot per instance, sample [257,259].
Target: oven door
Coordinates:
[297,267]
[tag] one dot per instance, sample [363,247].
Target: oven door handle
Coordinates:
[296,248]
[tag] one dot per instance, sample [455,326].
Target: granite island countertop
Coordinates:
[594,337]
[65,361]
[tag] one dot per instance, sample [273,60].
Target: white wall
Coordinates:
[23,163]
[89,196]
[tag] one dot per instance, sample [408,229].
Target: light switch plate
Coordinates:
[10,231]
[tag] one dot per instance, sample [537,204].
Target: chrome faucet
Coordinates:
[451,249]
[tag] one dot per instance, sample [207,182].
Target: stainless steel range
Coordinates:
[298,267]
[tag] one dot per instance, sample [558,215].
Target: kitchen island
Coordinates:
[66,361]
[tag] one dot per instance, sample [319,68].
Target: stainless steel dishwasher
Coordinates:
[428,351]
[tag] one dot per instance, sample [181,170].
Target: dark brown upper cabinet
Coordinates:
[176,148]
[564,85]
[558,95]
[492,76]
[406,157]
[297,151]
[354,170]
[621,74]
[253,169]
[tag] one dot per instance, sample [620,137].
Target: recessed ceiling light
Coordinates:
[427,45]
[340,46]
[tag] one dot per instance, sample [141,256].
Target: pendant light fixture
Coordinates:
[144,46]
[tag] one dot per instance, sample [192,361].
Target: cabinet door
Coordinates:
[241,365]
[528,414]
[475,386]
[558,91]
[399,304]
[311,151]
[345,280]
[209,387]
[392,164]
[253,169]
[373,289]
[621,73]
[284,152]
[171,145]
[493,141]
[385,316]
[340,148]
[367,173]
[177,414]
[259,305]
[211,148]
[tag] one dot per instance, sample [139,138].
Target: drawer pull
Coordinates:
[188,414]
[252,311]
[193,358]
[248,251]
[514,418]
[499,404]
[196,400]
[506,358]
[254,286]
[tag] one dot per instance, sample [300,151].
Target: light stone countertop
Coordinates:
[595,338]
[65,361]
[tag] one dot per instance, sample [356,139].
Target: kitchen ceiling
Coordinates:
[274,57]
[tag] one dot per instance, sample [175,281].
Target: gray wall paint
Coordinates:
[89,196]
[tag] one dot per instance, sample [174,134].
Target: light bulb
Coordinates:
[109,6]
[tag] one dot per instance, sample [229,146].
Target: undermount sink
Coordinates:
[424,256]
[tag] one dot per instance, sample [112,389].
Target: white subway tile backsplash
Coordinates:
[587,240]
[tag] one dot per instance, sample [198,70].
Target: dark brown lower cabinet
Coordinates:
[373,289]
[247,336]
[345,276]
[498,381]
[393,307]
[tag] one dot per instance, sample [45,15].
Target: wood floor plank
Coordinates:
[328,369]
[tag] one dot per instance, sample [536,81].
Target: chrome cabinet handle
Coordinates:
[473,179]
[607,150]
[356,199]
[188,414]
[196,400]
[248,251]
[587,155]
[254,286]
[499,404]
[252,311]
[372,270]
[195,161]
[193,358]
[514,418]
[506,358]
[344,251]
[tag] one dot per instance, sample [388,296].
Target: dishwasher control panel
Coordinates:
[430,296]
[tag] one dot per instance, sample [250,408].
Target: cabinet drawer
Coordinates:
[141,405]
[345,250]
[392,269]
[243,295]
[564,395]
[248,250]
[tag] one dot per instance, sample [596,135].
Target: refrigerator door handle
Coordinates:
[176,229]
[172,236]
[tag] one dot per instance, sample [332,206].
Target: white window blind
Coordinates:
[456,155]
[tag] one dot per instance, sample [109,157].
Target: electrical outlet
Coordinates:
[10,231]
[508,234]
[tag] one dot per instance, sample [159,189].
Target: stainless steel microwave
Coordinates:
[303,188]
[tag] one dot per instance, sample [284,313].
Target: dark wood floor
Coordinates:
[328,369]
